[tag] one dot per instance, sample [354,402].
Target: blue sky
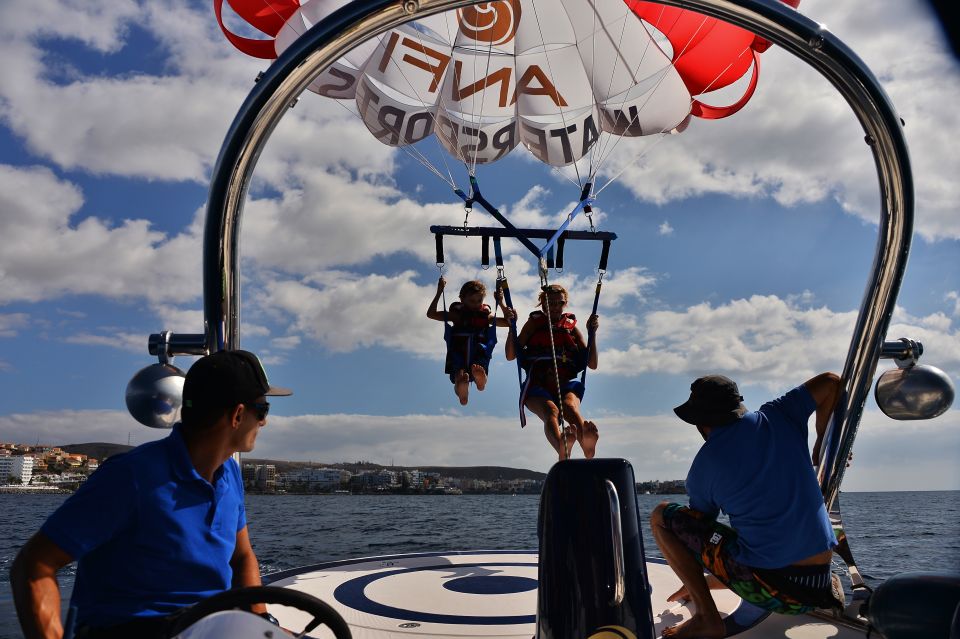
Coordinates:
[743,248]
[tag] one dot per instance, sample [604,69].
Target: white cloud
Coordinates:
[665,228]
[10,323]
[44,243]
[166,126]
[953,296]
[130,342]
[764,340]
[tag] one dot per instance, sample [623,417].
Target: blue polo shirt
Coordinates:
[149,534]
[758,471]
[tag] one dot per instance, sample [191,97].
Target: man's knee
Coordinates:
[656,517]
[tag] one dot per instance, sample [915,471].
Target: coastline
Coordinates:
[33,490]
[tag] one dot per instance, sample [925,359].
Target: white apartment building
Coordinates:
[19,466]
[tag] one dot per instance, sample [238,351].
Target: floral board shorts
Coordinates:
[774,590]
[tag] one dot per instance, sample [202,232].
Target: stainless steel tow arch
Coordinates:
[282,83]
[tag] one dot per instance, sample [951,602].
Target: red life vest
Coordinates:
[471,321]
[539,359]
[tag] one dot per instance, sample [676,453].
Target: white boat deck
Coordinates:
[493,594]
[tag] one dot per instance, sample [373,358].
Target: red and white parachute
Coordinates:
[548,74]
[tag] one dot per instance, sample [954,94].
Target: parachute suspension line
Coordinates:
[676,56]
[596,150]
[725,69]
[558,170]
[433,115]
[545,286]
[416,154]
[479,118]
[546,54]
[639,157]
[593,77]
[602,150]
[633,120]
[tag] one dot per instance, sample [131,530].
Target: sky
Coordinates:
[743,249]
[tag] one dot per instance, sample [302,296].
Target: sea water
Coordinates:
[889,533]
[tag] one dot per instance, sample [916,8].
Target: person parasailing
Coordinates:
[553,353]
[470,331]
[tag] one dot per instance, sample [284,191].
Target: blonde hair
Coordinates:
[552,290]
[471,287]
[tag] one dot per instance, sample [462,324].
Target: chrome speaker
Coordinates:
[914,392]
[155,395]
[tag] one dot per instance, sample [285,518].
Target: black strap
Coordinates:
[439,240]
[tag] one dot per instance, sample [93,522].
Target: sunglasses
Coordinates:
[262,409]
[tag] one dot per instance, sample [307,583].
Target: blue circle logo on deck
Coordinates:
[437,593]
[492,585]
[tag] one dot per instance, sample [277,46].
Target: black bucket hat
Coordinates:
[714,400]
[225,379]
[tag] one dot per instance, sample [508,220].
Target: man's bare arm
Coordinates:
[825,389]
[36,593]
[246,569]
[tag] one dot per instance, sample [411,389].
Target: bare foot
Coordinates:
[462,386]
[683,595]
[567,442]
[479,376]
[697,627]
[588,441]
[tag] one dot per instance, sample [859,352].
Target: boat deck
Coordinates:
[493,594]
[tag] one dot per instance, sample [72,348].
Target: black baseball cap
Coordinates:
[225,379]
[714,400]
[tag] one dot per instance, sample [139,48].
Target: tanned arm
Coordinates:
[246,569]
[510,350]
[36,593]
[432,311]
[825,389]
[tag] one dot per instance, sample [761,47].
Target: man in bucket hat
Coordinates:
[754,466]
[160,527]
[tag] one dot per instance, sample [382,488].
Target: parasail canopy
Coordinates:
[550,75]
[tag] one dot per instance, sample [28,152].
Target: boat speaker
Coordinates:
[592,572]
[914,392]
[155,394]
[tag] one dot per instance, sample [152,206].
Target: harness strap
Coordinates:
[505,288]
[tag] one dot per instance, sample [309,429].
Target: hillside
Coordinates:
[102,450]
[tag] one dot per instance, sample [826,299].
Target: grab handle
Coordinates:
[616,538]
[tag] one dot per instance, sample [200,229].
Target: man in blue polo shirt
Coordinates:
[158,528]
[755,467]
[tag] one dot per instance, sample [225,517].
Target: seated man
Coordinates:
[754,467]
[160,527]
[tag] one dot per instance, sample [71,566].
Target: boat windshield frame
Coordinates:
[279,87]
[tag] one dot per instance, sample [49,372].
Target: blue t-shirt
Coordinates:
[150,535]
[758,471]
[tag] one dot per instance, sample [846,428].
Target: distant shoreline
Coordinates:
[33,490]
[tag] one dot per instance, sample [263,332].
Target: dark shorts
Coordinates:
[773,590]
[457,361]
[572,386]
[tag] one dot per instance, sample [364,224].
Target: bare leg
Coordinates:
[586,432]
[479,376]
[682,595]
[706,622]
[550,414]
[462,386]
